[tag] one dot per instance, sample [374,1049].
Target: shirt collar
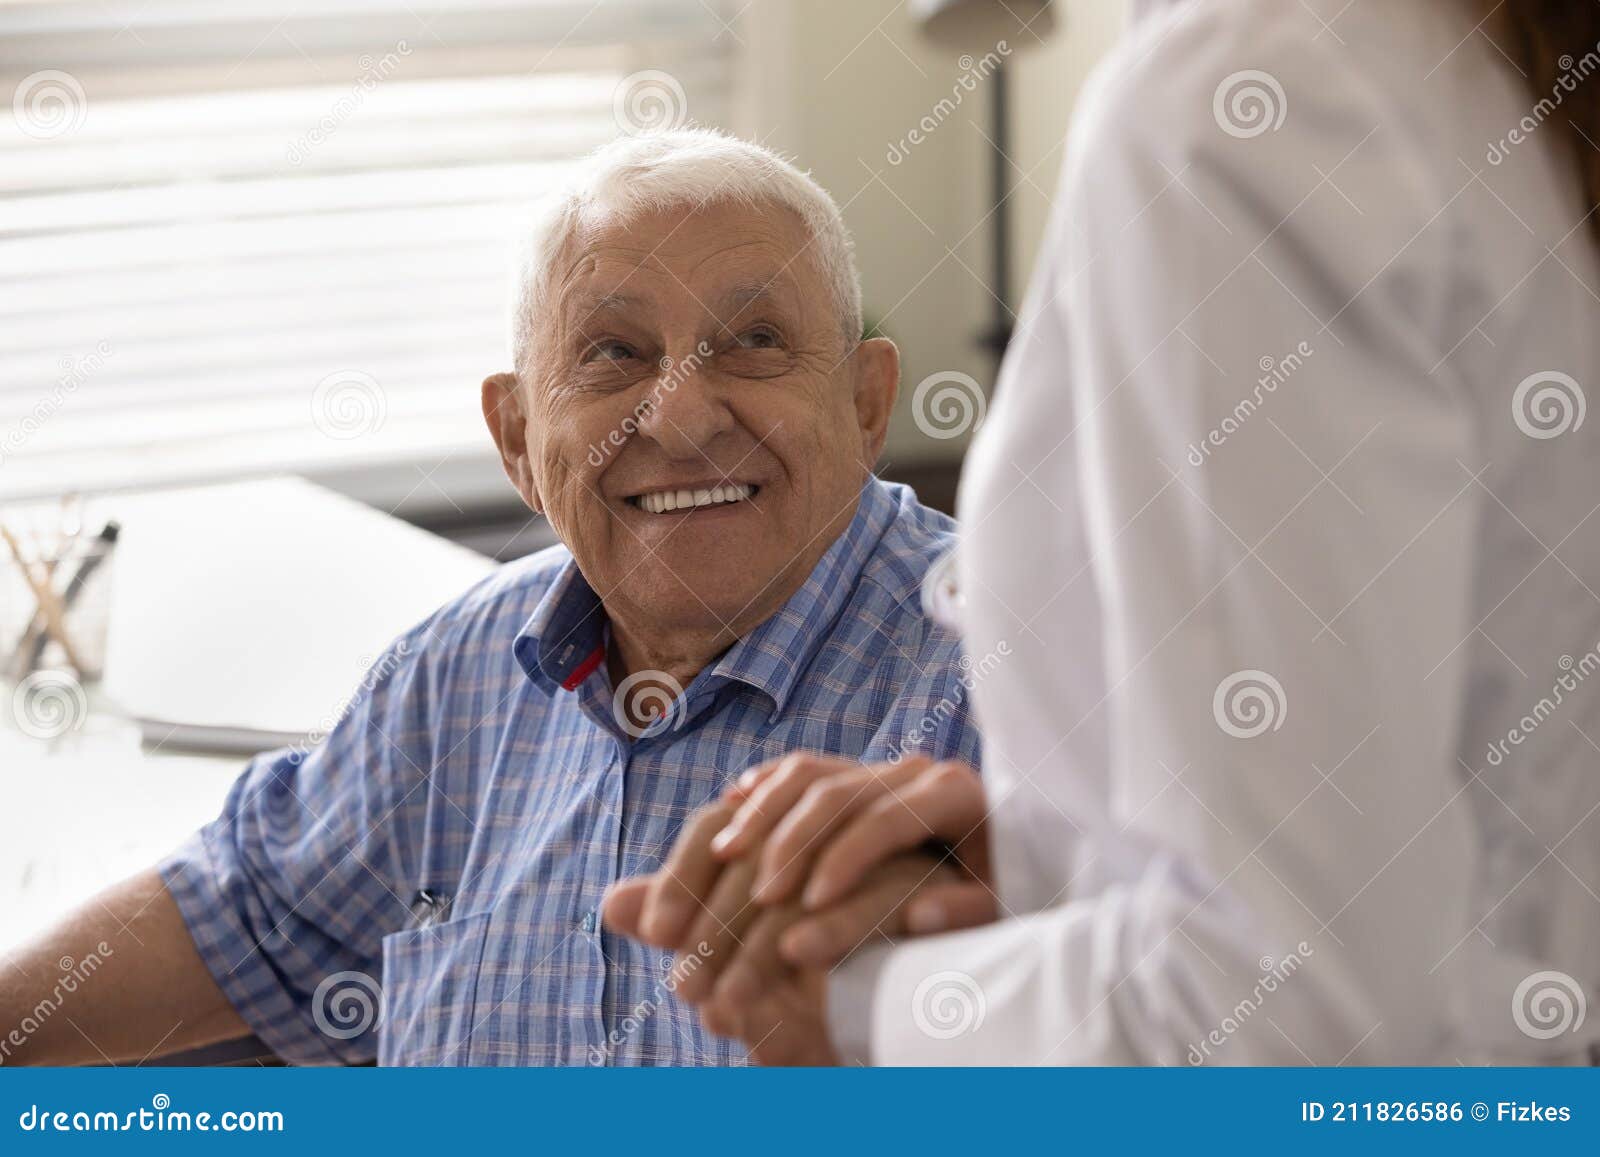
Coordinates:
[771,657]
[565,639]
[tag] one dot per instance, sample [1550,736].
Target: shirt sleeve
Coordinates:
[931,714]
[1274,478]
[290,890]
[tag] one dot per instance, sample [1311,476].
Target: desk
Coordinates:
[89,808]
[300,586]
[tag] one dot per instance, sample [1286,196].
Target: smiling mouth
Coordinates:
[667,501]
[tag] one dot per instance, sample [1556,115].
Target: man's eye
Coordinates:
[757,339]
[610,351]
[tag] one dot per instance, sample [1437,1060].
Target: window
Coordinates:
[256,237]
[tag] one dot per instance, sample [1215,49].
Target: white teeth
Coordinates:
[663,501]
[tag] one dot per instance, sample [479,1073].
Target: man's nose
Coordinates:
[685,411]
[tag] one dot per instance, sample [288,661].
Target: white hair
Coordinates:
[668,170]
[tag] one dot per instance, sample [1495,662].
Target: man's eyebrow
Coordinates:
[741,297]
[615,300]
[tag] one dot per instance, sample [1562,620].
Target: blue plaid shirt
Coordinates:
[422,887]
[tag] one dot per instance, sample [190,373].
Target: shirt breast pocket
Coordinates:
[430,984]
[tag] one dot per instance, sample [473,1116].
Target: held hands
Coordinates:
[801,862]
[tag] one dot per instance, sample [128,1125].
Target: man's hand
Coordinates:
[738,969]
[851,837]
[784,1023]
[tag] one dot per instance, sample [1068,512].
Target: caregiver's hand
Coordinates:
[660,908]
[848,819]
[818,830]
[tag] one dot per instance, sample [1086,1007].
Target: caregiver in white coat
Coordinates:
[1281,547]
[1287,511]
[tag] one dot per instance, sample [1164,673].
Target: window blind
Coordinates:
[255,237]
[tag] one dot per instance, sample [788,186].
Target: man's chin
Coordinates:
[692,597]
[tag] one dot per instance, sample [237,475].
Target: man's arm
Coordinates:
[116,980]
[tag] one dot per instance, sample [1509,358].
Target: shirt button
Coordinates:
[588,922]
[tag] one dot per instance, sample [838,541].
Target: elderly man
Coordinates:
[695,411]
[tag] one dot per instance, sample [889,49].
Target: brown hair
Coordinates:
[1556,44]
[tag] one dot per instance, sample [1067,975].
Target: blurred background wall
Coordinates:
[260,238]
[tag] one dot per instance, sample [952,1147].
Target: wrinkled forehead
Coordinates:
[724,259]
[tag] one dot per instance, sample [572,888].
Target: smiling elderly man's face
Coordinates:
[693,418]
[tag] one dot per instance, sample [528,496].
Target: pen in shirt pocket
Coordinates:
[428,908]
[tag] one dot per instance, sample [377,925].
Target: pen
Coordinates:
[48,602]
[97,554]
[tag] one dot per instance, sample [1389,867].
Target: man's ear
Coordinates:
[877,377]
[507,419]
